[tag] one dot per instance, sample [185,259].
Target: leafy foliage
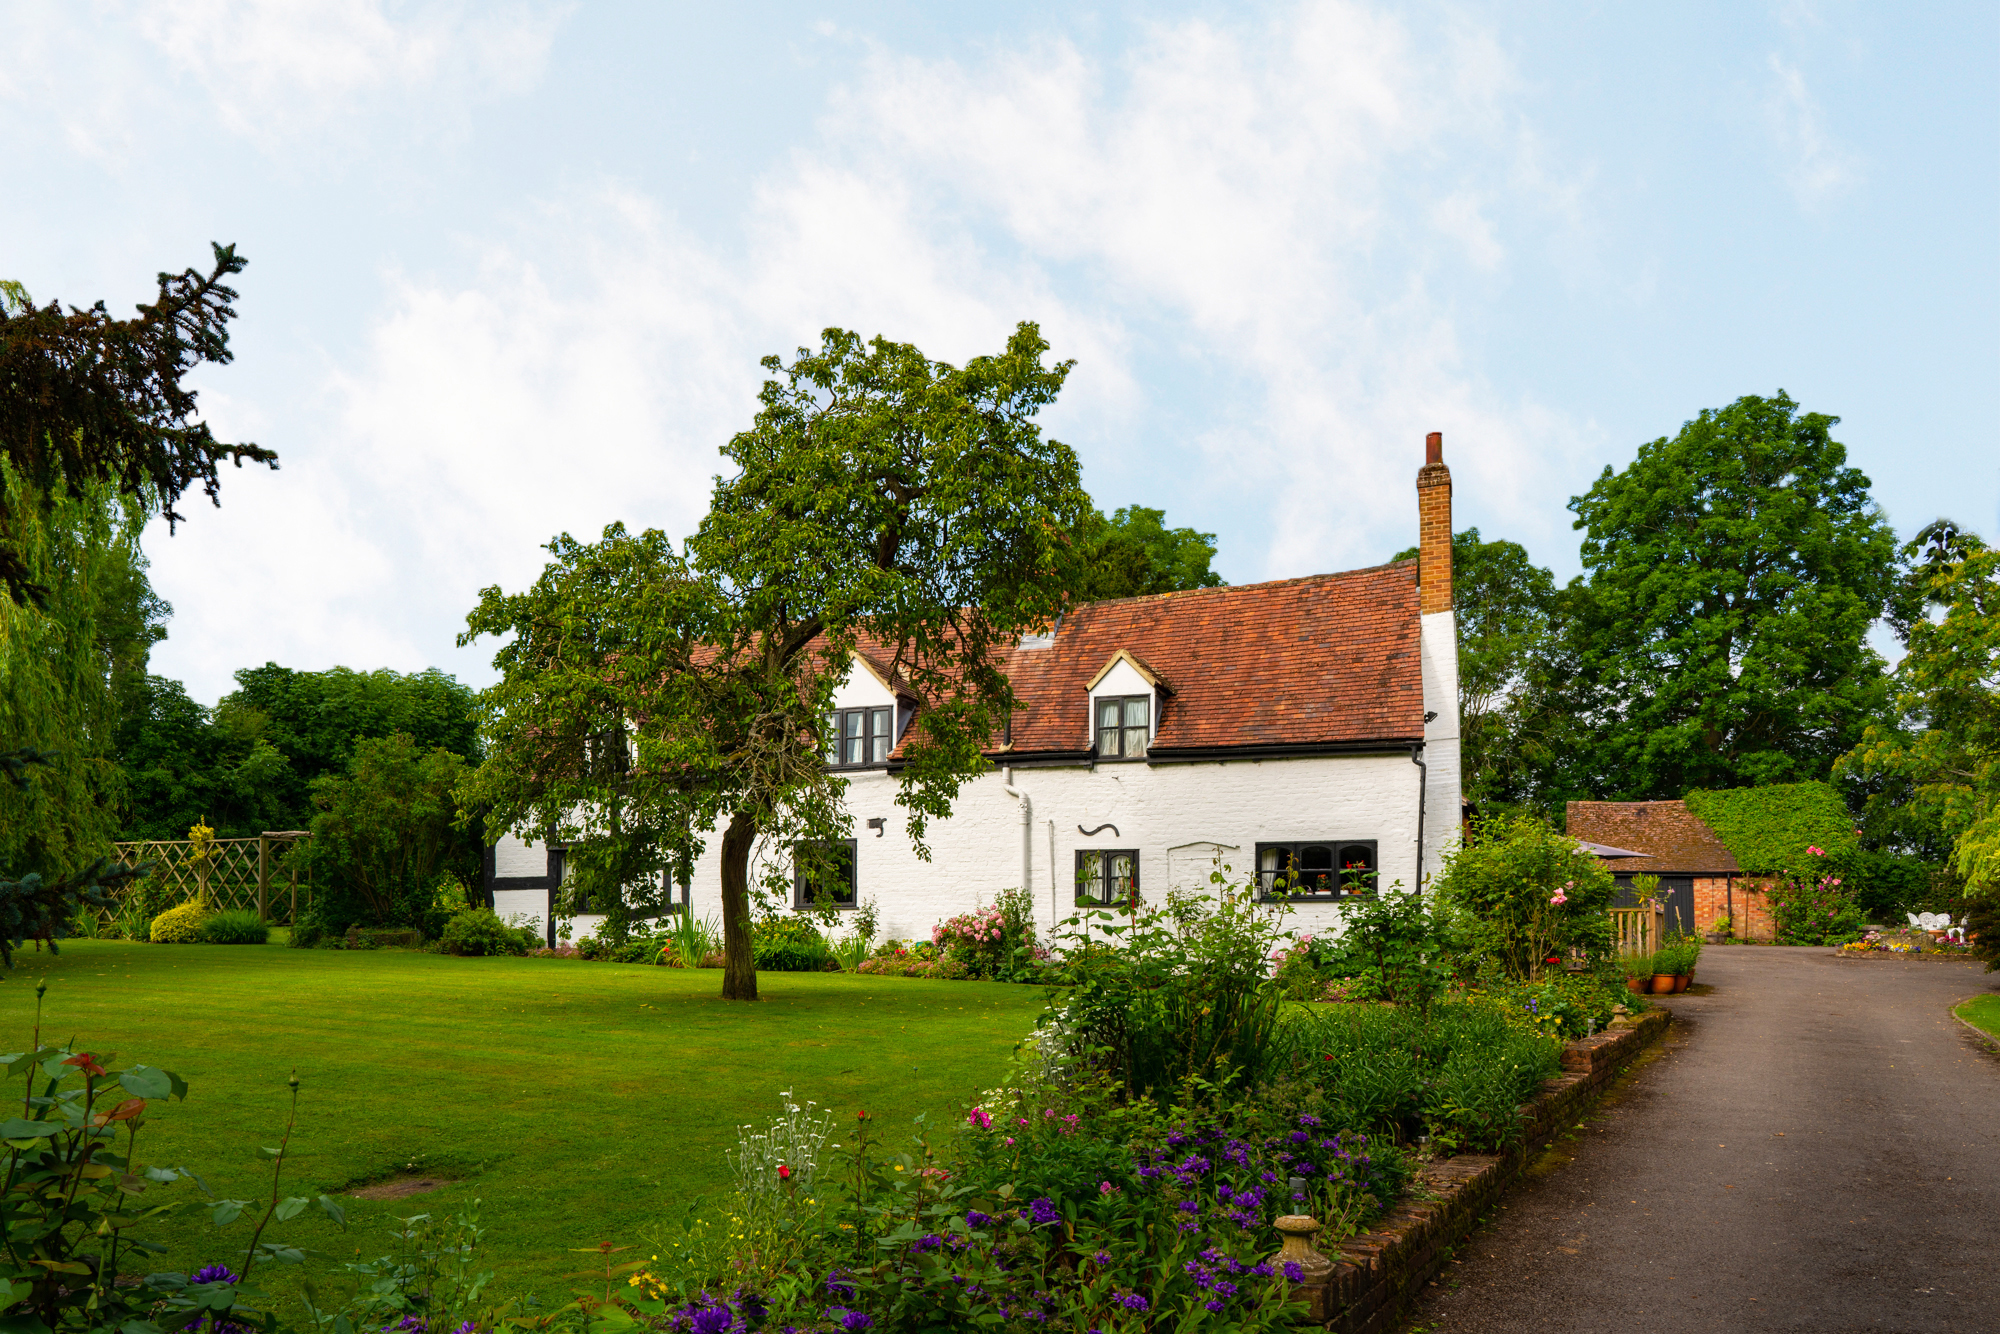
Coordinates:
[386,832]
[1734,573]
[649,694]
[1769,829]
[479,931]
[1173,995]
[249,764]
[1809,908]
[86,399]
[66,665]
[1522,893]
[1944,746]
[1133,553]
[791,944]
[1395,946]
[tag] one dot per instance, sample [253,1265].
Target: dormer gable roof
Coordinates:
[1146,674]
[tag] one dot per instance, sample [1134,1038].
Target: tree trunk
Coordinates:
[739,965]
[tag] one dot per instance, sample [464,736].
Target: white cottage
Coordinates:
[1302,731]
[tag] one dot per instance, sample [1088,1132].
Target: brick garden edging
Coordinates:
[1375,1273]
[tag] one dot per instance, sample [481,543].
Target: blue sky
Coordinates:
[512,265]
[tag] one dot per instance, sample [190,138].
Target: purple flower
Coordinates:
[1132,1301]
[1293,1272]
[1102,1257]
[973,1218]
[1212,1304]
[1043,1212]
[855,1320]
[213,1274]
[717,1319]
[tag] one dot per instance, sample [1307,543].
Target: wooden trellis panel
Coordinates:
[252,873]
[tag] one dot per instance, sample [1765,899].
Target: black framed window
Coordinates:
[1325,868]
[1107,877]
[1124,725]
[823,872]
[860,737]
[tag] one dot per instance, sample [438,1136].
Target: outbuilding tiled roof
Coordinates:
[1674,841]
[1324,662]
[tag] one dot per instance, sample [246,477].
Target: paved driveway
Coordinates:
[1817,1148]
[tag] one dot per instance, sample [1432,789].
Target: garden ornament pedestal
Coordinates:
[1298,1231]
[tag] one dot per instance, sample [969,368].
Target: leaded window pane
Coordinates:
[1090,880]
[878,750]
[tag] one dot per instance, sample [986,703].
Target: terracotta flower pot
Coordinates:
[1638,986]
[1663,984]
[1681,981]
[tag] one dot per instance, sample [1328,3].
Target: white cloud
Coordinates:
[1818,166]
[270,70]
[1253,239]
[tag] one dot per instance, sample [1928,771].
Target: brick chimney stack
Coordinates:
[1434,528]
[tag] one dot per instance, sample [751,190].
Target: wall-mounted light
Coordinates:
[876,824]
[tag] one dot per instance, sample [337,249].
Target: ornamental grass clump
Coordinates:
[235,926]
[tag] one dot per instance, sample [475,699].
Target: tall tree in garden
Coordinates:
[67,669]
[1502,602]
[1944,744]
[1734,572]
[651,694]
[95,409]
[1133,553]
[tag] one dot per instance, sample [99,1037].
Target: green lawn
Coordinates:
[1983,1013]
[579,1101]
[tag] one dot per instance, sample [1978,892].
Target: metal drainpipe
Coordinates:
[1423,790]
[1027,828]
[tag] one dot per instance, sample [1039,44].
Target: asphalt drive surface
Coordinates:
[1816,1146]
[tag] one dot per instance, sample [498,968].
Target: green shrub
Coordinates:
[479,931]
[1458,1074]
[236,926]
[1174,995]
[179,926]
[790,944]
[996,942]
[1520,892]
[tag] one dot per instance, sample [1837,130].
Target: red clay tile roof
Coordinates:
[1326,661]
[1676,843]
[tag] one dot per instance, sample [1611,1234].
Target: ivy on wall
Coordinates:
[1768,829]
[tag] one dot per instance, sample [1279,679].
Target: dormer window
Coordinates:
[1124,725]
[860,737]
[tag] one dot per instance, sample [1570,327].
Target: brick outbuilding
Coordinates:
[1700,879]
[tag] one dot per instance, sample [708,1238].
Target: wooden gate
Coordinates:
[1639,930]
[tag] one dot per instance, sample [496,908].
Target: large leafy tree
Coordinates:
[1134,553]
[67,665]
[1734,572]
[94,411]
[1943,746]
[882,501]
[249,764]
[386,833]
